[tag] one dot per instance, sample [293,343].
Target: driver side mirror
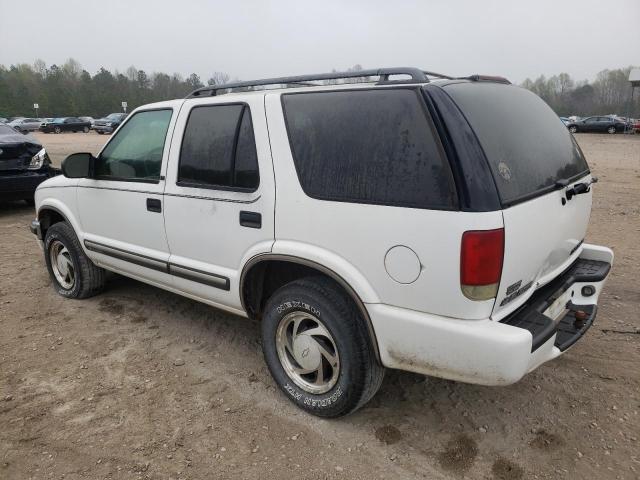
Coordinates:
[77,165]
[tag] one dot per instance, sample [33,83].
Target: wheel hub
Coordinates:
[307,352]
[62,265]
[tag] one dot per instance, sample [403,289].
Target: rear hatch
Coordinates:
[533,159]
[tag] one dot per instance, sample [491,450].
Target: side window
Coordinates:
[368,146]
[218,149]
[135,153]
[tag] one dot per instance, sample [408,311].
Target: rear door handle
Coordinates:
[251,219]
[154,205]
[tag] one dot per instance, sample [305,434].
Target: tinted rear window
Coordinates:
[527,145]
[368,146]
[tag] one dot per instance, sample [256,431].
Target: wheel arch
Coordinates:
[260,268]
[49,214]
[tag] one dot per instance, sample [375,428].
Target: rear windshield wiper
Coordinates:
[577,189]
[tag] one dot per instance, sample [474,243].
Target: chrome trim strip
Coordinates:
[126,256]
[211,279]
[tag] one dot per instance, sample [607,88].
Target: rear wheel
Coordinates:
[57,130]
[100,132]
[74,275]
[573,129]
[611,130]
[317,347]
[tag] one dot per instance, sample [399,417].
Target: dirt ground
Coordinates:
[138,383]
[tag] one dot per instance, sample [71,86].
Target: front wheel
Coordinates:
[74,275]
[573,129]
[85,129]
[100,132]
[611,130]
[57,130]
[318,349]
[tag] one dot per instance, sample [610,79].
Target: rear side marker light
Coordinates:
[481,255]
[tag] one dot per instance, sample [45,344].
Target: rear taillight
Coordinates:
[481,256]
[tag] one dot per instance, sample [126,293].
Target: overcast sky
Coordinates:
[253,39]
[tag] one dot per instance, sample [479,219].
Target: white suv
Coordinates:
[405,221]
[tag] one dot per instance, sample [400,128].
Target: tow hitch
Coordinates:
[578,313]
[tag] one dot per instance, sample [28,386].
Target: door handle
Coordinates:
[154,205]
[251,219]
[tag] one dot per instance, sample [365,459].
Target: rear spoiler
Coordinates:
[486,78]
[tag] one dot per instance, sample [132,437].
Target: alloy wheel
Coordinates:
[307,352]
[62,265]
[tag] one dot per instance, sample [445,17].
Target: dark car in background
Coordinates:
[598,125]
[109,123]
[24,165]
[66,124]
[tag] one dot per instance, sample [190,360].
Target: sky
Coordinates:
[257,39]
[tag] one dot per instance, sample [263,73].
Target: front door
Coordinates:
[219,197]
[121,208]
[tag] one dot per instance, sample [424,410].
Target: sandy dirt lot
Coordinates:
[138,383]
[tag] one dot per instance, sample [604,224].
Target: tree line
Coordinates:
[70,90]
[609,93]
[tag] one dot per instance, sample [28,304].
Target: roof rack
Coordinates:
[417,76]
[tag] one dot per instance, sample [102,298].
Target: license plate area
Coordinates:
[558,308]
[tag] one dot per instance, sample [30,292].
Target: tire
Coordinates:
[87,279]
[318,304]
[57,130]
[611,130]
[573,129]
[100,132]
[85,129]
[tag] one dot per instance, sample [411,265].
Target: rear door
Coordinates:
[532,168]
[220,196]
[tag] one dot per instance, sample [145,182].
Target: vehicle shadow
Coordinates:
[13,207]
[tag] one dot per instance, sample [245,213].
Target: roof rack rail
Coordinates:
[417,76]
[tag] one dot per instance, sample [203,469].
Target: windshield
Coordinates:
[58,120]
[114,116]
[526,144]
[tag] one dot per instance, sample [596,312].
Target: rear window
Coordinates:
[526,144]
[368,146]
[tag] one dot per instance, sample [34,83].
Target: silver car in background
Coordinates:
[25,125]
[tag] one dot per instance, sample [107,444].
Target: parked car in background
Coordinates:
[565,120]
[46,120]
[109,123]
[3,120]
[87,119]
[25,125]
[597,125]
[24,165]
[66,124]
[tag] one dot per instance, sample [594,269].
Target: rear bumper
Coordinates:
[489,352]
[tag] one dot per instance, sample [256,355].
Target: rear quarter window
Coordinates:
[527,145]
[368,146]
